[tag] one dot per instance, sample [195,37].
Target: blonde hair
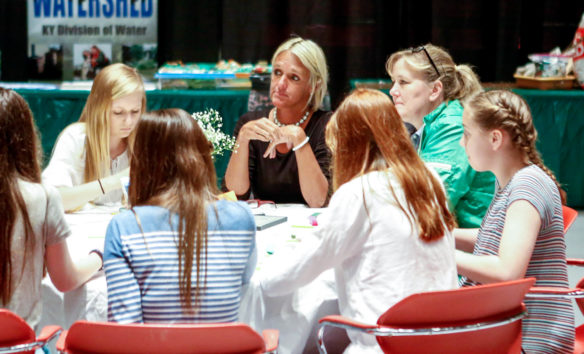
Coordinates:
[459,82]
[312,57]
[113,82]
[499,109]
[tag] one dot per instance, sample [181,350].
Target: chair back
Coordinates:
[100,337]
[459,307]
[570,216]
[14,330]
[580,301]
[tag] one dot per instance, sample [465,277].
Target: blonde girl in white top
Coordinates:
[91,155]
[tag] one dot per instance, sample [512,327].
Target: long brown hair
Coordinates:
[112,82]
[367,134]
[175,170]
[458,81]
[499,109]
[19,159]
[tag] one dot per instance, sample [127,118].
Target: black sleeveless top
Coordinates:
[277,179]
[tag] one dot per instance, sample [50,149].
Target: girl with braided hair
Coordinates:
[522,233]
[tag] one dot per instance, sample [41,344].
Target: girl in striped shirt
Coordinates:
[522,233]
[179,254]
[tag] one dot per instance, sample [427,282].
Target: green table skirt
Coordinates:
[558,117]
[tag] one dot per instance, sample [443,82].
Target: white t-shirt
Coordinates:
[67,165]
[377,257]
[47,219]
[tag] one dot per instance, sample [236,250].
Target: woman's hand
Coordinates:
[261,129]
[237,172]
[291,135]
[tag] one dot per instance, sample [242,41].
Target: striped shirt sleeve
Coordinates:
[124,300]
[533,186]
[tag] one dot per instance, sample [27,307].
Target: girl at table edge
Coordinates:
[387,229]
[428,88]
[297,89]
[91,155]
[179,254]
[522,232]
[34,229]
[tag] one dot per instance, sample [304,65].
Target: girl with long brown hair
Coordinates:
[91,155]
[387,230]
[179,254]
[522,232]
[33,229]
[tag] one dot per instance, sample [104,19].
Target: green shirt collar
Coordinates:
[431,117]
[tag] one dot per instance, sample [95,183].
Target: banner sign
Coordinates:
[74,39]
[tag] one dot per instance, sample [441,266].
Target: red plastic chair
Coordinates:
[476,319]
[570,216]
[576,293]
[103,337]
[16,336]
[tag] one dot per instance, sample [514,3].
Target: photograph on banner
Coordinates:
[141,57]
[89,59]
[45,61]
[74,39]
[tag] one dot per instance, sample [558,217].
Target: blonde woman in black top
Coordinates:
[281,154]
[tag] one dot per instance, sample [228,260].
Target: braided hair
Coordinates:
[500,109]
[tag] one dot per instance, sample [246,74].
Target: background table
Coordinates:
[559,120]
[53,110]
[558,117]
[295,315]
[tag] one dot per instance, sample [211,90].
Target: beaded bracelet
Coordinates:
[295,148]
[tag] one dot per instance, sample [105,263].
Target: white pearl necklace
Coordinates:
[302,120]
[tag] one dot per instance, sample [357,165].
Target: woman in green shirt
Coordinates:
[427,92]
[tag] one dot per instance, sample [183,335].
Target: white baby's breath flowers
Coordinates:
[211,122]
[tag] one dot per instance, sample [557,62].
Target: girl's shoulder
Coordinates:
[144,212]
[233,208]
[231,215]
[532,177]
[34,193]
[374,182]
[42,201]
[73,134]
[531,183]
[77,128]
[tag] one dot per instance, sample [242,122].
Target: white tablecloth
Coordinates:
[295,315]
